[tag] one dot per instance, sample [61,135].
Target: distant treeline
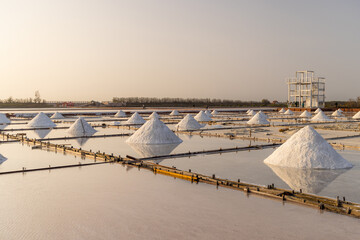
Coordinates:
[22,103]
[191,102]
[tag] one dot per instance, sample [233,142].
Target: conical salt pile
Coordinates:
[357,115]
[2,159]
[57,115]
[174,113]
[263,115]
[202,117]
[4,119]
[289,112]
[214,112]
[258,119]
[188,123]
[81,128]
[135,119]
[337,113]
[307,149]
[251,113]
[207,112]
[321,117]
[282,110]
[305,114]
[120,113]
[318,110]
[340,110]
[41,121]
[248,111]
[154,131]
[154,115]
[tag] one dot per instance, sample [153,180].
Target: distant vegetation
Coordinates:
[24,103]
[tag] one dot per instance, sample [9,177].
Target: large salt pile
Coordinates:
[318,110]
[2,159]
[263,114]
[81,128]
[321,117]
[154,115]
[357,115]
[289,112]
[258,119]
[207,112]
[154,131]
[251,113]
[174,113]
[337,113]
[41,121]
[135,119]
[282,110]
[307,149]
[202,117]
[214,112]
[4,119]
[120,113]
[57,115]
[305,114]
[188,123]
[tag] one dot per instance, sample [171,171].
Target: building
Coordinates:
[306,90]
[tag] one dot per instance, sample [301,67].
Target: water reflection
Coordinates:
[42,133]
[2,159]
[82,138]
[309,180]
[152,150]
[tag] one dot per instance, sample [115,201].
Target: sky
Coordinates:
[229,49]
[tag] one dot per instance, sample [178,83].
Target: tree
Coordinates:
[37,97]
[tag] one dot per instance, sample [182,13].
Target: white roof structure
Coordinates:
[202,117]
[307,149]
[251,113]
[305,114]
[57,115]
[321,117]
[282,110]
[207,112]
[4,119]
[154,115]
[357,115]
[318,110]
[337,113]
[174,113]
[188,123]
[154,131]
[135,119]
[289,112]
[258,119]
[81,128]
[214,112]
[2,159]
[41,121]
[120,113]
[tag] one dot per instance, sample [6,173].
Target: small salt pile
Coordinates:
[357,115]
[318,110]
[258,119]
[251,113]
[202,117]
[188,123]
[340,110]
[289,112]
[207,112]
[154,115]
[321,117]
[215,112]
[4,119]
[307,149]
[135,119]
[120,113]
[174,113]
[305,114]
[41,121]
[337,113]
[154,131]
[57,115]
[264,115]
[282,110]
[81,128]
[2,159]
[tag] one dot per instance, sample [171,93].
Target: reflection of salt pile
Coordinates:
[214,112]
[4,119]
[81,128]
[305,114]
[207,112]
[154,115]
[174,113]
[148,151]
[2,159]
[307,149]
[154,131]
[42,133]
[202,117]
[282,110]
[188,123]
[321,117]
[318,110]
[251,113]
[57,115]
[41,121]
[120,113]
[357,115]
[289,112]
[308,180]
[337,113]
[135,119]
[258,119]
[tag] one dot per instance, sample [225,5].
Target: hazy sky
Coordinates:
[233,49]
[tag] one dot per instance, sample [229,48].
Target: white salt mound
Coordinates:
[135,119]
[4,119]
[202,117]
[263,114]
[174,113]
[41,121]
[248,111]
[337,113]
[251,113]
[258,119]
[305,114]
[2,159]
[57,115]
[318,110]
[154,115]
[207,112]
[340,110]
[307,149]
[214,112]
[154,131]
[321,117]
[289,112]
[357,115]
[81,128]
[120,113]
[188,123]
[282,110]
